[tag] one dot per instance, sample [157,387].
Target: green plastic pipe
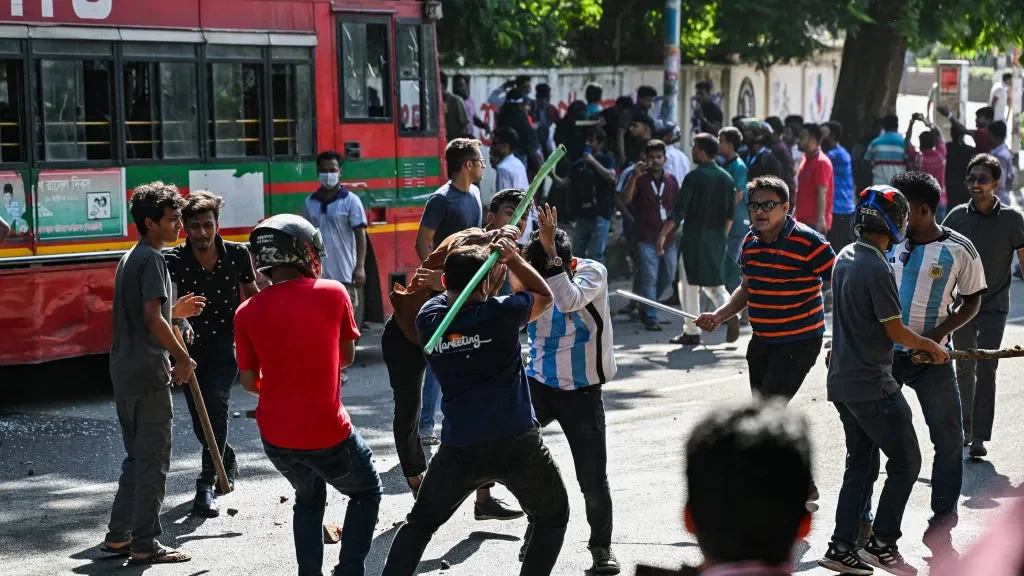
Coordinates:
[479,276]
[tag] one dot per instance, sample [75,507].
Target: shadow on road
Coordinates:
[983,485]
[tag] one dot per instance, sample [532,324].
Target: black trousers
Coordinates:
[580,413]
[216,369]
[778,370]
[406,363]
[523,464]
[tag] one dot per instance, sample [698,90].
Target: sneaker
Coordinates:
[652,325]
[604,561]
[494,509]
[887,558]
[732,329]
[866,530]
[978,449]
[844,562]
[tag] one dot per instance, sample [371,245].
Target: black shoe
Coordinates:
[494,509]
[732,329]
[978,449]
[651,325]
[844,562]
[686,339]
[604,561]
[887,558]
[203,504]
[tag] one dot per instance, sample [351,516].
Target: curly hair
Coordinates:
[150,201]
[202,201]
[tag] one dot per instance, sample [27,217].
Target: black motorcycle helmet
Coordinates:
[882,209]
[287,240]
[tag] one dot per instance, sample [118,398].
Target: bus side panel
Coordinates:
[54,313]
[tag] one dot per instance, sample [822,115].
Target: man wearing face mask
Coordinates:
[340,217]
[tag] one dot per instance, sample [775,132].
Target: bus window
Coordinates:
[75,101]
[291,100]
[11,142]
[417,79]
[365,71]
[236,101]
[160,102]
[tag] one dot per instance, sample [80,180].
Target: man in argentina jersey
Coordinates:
[933,266]
[570,358]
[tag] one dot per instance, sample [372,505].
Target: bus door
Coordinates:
[419,137]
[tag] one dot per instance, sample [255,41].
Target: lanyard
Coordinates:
[752,159]
[658,191]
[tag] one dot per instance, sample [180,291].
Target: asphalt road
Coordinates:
[60,454]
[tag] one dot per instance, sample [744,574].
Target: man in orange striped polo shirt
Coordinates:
[785,263]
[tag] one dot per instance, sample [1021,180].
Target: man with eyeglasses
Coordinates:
[785,264]
[997,232]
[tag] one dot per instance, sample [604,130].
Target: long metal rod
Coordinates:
[657,305]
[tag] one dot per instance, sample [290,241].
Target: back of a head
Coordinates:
[795,119]
[776,123]
[998,130]
[543,91]
[623,102]
[747,470]
[535,255]
[891,123]
[927,140]
[646,92]
[593,93]
[1008,77]
[461,264]
[918,187]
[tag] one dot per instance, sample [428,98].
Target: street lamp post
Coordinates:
[669,112]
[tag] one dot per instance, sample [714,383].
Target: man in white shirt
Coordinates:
[999,97]
[571,356]
[511,171]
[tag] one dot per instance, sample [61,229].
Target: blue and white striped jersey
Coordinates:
[930,276]
[571,344]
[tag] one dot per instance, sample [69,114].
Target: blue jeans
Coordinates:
[590,237]
[431,402]
[348,467]
[654,273]
[887,425]
[733,248]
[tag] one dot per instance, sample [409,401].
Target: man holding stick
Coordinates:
[214,268]
[142,375]
[571,357]
[489,432]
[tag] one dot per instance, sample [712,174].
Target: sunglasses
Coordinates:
[765,207]
[979,179]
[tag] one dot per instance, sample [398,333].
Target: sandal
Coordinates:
[160,556]
[122,550]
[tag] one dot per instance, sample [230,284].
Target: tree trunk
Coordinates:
[869,77]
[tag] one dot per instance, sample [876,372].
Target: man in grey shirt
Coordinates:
[866,322]
[142,375]
[997,232]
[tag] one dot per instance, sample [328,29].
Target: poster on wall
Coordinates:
[81,204]
[785,93]
[15,208]
[818,94]
[242,193]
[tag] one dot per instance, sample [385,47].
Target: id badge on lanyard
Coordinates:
[658,191]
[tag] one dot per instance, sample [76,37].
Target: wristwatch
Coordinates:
[555,262]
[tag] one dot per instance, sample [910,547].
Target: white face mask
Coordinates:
[329,179]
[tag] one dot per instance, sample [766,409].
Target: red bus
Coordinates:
[237,96]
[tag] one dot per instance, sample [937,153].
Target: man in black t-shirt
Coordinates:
[592,183]
[707,116]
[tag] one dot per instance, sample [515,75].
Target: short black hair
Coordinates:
[639,115]
[9,188]
[542,91]
[513,196]
[523,79]
[919,187]
[731,135]
[835,129]
[201,201]
[998,130]
[646,92]
[703,85]
[814,131]
[795,119]
[986,112]
[988,161]
[654,145]
[595,133]
[1007,76]
[927,140]
[458,152]
[506,135]
[150,200]
[776,123]
[593,93]
[707,143]
[535,255]
[327,156]
[623,102]
[891,123]
[770,183]
[461,264]
[747,473]
[444,79]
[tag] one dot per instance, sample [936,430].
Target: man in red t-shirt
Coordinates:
[292,341]
[815,186]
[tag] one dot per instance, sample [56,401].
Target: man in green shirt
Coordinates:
[705,206]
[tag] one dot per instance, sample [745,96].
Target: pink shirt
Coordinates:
[933,162]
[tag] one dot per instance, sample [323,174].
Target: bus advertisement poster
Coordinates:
[14,206]
[81,204]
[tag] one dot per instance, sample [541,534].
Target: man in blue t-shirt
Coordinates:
[489,433]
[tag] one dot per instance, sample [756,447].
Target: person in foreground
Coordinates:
[866,323]
[566,380]
[293,339]
[747,471]
[489,432]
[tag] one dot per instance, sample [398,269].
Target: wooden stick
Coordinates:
[919,357]
[204,418]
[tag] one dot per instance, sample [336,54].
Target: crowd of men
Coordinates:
[771,235]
